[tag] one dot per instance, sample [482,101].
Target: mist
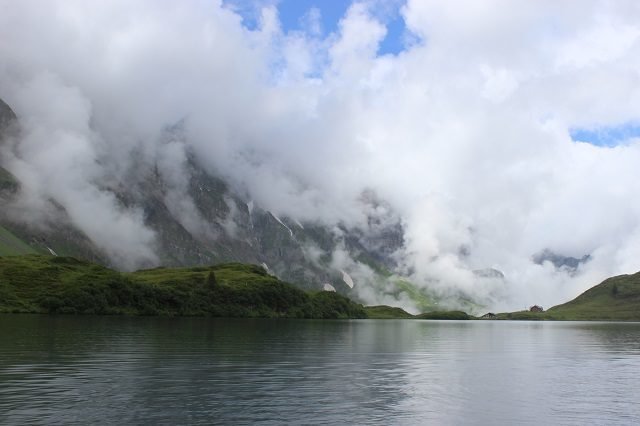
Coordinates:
[465,134]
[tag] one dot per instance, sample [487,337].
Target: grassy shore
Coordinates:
[47,284]
[615,299]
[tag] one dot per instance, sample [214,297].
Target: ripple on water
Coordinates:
[152,370]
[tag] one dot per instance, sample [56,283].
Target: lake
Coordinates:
[118,370]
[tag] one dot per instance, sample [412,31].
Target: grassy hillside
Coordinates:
[12,245]
[7,181]
[386,312]
[445,315]
[47,284]
[615,299]
[524,316]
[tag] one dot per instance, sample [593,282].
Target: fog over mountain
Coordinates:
[464,138]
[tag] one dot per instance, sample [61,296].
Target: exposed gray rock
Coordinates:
[560,261]
[7,116]
[221,226]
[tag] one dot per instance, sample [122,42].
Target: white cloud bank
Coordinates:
[465,133]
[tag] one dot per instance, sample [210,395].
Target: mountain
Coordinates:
[10,244]
[7,116]
[198,219]
[7,119]
[567,263]
[18,235]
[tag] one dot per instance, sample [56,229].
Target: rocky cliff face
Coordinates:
[8,120]
[234,228]
[203,221]
[7,116]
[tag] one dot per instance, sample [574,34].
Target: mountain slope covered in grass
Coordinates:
[48,284]
[11,245]
[615,299]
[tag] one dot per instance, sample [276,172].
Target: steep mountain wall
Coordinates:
[199,220]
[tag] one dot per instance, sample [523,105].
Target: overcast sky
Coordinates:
[496,129]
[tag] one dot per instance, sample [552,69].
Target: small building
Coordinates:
[536,308]
[489,315]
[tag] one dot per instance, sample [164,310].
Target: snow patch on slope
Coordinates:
[282,223]
[250,210]
[347,279]
[328,287]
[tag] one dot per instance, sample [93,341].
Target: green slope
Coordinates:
[11,245]
[387,312]
[7,181]
[615,299]
[47,284]
[445,315]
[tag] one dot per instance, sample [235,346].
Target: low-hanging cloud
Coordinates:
[465,133]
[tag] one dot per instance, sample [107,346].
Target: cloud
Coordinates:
[465,134]
[57,158]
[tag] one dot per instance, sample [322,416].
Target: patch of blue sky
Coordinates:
[321,18]
[607,136]
[294,14]
[396,39]
[249,10]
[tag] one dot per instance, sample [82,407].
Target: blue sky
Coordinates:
[607,136]
[292,15]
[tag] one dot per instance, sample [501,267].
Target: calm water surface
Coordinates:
[111,370]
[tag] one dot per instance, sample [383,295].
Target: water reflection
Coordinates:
[161,370]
